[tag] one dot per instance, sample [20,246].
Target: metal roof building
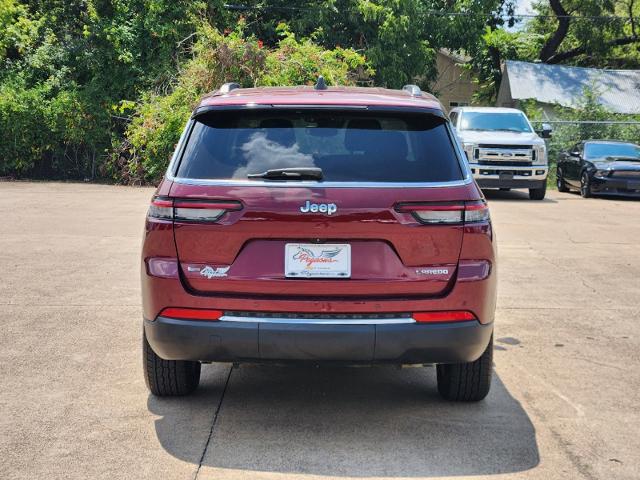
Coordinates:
[618,90]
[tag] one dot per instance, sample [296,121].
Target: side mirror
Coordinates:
[546,130]
[574,153]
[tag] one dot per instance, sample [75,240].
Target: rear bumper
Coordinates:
[228,341]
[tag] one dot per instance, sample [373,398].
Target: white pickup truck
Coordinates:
[503,149]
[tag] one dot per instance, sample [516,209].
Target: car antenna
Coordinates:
[320,84]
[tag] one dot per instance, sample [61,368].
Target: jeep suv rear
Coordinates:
[319,225]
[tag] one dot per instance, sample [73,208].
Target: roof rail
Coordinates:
[412,90]
[227,87]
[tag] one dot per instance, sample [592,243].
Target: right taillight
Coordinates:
[475,212]
[446,213]
[187,210]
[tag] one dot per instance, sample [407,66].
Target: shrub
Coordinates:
[218,58]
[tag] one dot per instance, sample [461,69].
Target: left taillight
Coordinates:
[161,208]
[185,210]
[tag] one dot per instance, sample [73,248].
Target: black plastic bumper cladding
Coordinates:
[453,342]
[515,183]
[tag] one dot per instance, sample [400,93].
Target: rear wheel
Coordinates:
[167,378]
[562,186]
[538,193]
[585,185]
[467,382]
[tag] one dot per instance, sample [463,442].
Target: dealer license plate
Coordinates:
[326,260]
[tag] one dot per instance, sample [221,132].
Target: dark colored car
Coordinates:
[321,225]
[601,167]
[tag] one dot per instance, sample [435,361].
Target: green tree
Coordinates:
[399,37]
[217,59]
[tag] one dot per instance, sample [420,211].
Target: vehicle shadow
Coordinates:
[356,422]
[519,195]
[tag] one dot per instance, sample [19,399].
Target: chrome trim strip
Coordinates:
[314,184]
[511,167]
[318,321]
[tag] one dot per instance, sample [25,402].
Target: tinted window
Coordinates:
[347,146]
[611,151]
[503,122]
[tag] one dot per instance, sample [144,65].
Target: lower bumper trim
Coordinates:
[511,183]
[253,341]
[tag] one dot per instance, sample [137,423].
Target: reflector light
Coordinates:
[473,270]
[162,267]
[447,316]
[191,314]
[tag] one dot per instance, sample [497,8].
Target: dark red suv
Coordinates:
[321,225]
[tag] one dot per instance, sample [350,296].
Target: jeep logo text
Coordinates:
[328,208]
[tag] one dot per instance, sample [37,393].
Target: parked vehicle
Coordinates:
[600,167]
[503,149]
[318,225]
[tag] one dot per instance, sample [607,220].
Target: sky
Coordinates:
[524,7]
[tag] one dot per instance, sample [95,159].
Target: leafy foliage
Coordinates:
[159,119]
[588,109]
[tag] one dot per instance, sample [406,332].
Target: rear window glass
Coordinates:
[347,146]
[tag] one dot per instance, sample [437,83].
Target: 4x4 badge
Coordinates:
[211,272]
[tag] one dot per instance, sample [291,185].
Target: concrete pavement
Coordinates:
[73,404]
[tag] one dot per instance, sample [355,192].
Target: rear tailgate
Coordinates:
[391,253]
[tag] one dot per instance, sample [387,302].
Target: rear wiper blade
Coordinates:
[294,173]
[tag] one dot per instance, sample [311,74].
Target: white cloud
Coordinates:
[524,7]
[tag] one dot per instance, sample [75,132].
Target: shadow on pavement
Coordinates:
[519,195]
[357,422]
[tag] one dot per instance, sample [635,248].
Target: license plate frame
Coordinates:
[317,260]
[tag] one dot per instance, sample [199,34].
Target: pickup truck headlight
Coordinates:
[602,173]
[469,149]
[541,155]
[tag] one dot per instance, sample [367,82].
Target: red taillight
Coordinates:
[191,314]
[446,213]
[191,210]
[447,316]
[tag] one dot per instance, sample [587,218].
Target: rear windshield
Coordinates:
[347,146]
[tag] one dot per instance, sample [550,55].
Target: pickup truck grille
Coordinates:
[504,154]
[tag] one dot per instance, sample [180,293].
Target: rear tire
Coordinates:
[562,186]
[538,193]
[168,378]
[467,382]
